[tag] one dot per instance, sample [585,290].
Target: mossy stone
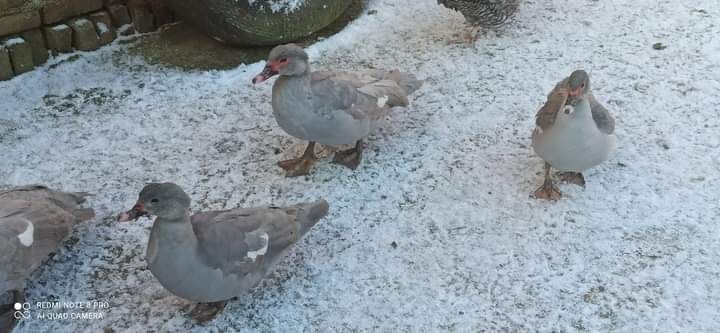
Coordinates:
[239,23]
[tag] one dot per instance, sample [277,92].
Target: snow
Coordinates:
[435,231]
[14,41]
[102,28]
[280,6]
[60,27]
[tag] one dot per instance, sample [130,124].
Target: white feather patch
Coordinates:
[261,251]
[26,237]
[382,101]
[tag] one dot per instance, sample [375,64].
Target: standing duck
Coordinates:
[574,133]
[34,221]
[211,257]
[489,14]
[331,108]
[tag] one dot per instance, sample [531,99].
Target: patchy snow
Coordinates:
[14,41]
[102,28]
[280,6]
[435,231]
[60,27]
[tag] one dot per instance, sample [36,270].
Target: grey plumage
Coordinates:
[34,221]
[329,107]
[603,120]
[484,13]
[334,108]
[52,214]
[216,255]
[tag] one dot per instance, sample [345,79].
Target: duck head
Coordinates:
[579,83]
[286,60]
[164,200]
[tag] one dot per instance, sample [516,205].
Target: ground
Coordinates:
[435,231]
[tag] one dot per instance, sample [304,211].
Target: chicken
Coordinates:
[483,13]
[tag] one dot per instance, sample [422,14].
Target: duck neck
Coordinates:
[171,237]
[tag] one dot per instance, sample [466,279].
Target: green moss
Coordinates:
[181,46]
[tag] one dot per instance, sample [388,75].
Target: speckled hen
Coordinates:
[483,13]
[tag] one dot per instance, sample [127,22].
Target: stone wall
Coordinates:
[33,30]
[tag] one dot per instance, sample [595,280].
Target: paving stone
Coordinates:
[19,22]
[6,71]
[37,42]
[143,20]
[20,54]
[119,15]
[59,38]
[84,36]
[58,10]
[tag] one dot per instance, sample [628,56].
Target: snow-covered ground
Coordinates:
[435,231]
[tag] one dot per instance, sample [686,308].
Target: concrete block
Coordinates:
[143,20]
[119,15]
[105,33]
[37,42]
[103,27]
[20,54]
[58,10]
[10,7]
[84,36]
[6,71]
[161,12]
[59,38]
[19,22]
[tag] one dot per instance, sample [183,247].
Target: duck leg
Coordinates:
[350,158]
[8,318]
[576,178]
[302,165]
[466,37]
[204,312]
[472,35]
[548,190]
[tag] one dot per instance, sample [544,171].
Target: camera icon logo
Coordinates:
[22,310]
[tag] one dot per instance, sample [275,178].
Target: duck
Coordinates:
[34,222]
[574,132]
[210,257]
[332,108]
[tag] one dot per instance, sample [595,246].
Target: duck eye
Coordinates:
[283,60]
[582,85]
[155,200]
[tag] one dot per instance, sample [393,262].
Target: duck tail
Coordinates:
[310,214]
[408,82]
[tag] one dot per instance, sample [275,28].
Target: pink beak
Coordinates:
[135,213]
[269,71]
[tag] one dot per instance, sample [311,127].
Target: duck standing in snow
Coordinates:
[211,257]
[488,14]
[330,108]
[34,221]
[574,133]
